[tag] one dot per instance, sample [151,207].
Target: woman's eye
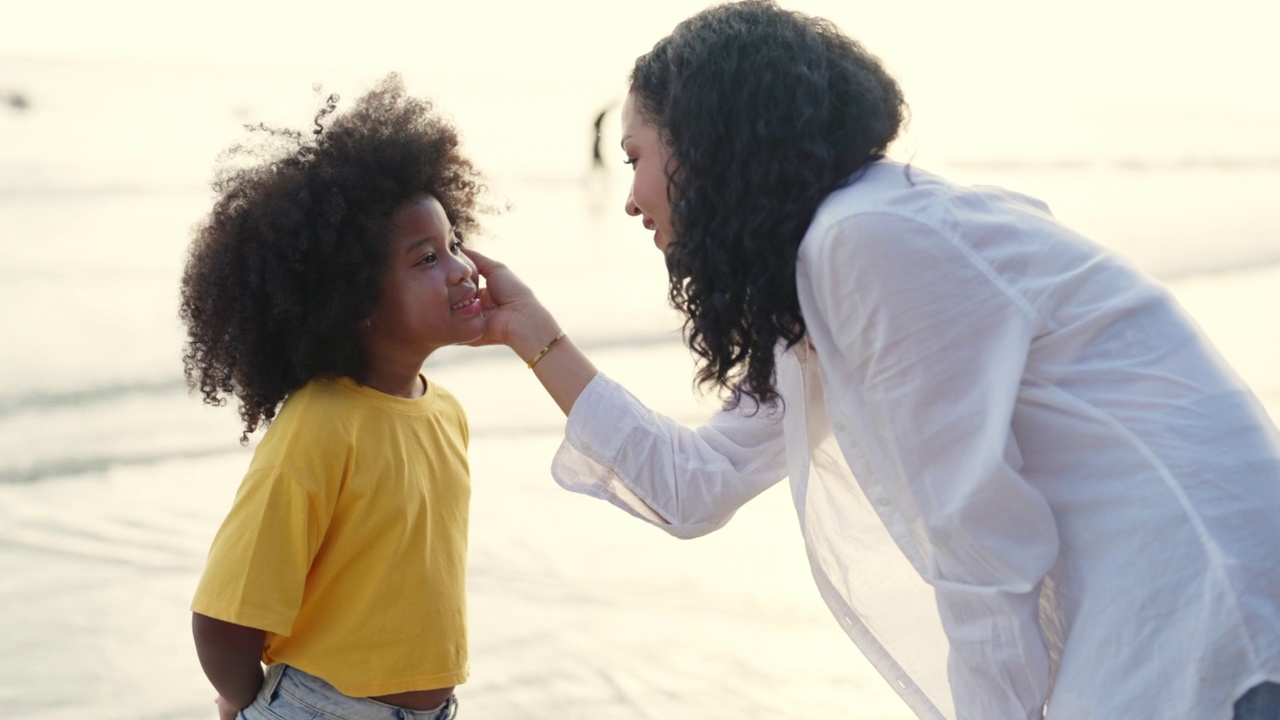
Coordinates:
[630,161]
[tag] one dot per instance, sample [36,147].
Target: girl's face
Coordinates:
[428,298]
[648,156]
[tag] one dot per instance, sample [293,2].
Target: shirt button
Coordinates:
[884,502]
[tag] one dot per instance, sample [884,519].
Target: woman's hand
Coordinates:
[513,315]
[516,319]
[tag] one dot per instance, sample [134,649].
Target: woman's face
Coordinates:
[648,156]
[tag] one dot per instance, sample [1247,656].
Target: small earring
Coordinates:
[368,322]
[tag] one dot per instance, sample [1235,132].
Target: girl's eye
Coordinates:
[456,246]
[428,259]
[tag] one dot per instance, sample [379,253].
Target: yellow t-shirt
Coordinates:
[347,540]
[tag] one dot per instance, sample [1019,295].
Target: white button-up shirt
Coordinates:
[1027,484]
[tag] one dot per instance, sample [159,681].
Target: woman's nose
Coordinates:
[630,207]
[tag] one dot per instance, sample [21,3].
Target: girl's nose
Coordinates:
[462,270]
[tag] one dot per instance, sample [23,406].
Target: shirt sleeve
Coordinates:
[686,481]
[258,562]
[925,348]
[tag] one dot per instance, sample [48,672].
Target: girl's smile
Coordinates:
[470,305]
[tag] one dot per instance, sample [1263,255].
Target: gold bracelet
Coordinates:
[546,349]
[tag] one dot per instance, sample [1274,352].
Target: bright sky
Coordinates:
[1151,50]
[1020,70]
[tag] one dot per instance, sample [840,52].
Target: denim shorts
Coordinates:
[290,694]
[1260,703]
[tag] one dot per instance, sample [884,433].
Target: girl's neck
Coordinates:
[410,385]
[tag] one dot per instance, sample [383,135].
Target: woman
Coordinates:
[1000,440]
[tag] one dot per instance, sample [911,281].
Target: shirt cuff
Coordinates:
[599,423]
[601,419]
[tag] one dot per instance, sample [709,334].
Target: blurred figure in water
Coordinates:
[597,157]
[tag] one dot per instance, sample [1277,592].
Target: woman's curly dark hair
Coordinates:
[766,112]
[291,258]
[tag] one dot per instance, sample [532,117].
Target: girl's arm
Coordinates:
[231,656]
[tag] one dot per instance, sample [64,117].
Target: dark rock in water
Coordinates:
[17,101]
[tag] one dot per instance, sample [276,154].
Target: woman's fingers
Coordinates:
[500,290]
[486,301]
[485,265]
[502,286]
[490,270]
[513,315]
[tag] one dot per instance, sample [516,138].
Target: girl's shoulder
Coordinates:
[314,415]
[321,395]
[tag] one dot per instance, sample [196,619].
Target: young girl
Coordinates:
[315,290]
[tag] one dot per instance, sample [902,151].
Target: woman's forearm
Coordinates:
[231,656]
[564,371]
